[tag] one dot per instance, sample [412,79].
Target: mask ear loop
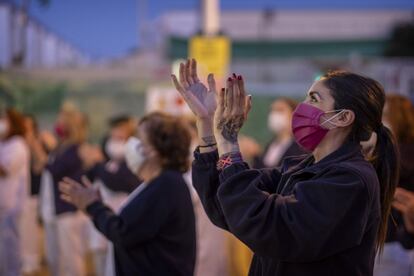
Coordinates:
[341,111]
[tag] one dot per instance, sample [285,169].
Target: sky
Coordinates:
[109,28]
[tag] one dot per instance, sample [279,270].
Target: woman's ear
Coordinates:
[346,118]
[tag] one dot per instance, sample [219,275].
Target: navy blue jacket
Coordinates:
[155,233]
[304,219]
[120,179]
[64,162]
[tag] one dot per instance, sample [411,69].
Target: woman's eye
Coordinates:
[313,99]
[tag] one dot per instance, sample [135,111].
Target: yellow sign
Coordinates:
[212,54]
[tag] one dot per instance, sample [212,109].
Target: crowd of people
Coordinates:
[332,193]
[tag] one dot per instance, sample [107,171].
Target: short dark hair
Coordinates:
[171,138]
[119,120]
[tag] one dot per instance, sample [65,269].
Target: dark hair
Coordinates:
[170,136]
[16,122]
[119,120]
[366,98]
[402,122]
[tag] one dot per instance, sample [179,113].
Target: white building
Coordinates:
[281,51]
[42,48]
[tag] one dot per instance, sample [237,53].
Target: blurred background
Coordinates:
[110,57]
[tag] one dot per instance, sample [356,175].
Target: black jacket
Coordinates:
[155,232]
[293,150]
[307,219]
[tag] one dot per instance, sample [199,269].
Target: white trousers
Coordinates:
[65,244]
[30,236]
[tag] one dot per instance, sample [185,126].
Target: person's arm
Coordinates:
[206,182]
[39,154]
[404,202]
[322,217]
[136,223]
[140,221]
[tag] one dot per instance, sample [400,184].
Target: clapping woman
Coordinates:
[324,213]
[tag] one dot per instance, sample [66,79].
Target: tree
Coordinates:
[401,43]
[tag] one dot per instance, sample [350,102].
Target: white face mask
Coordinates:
[277,122]
[134,155]
[4,128]
[115,149]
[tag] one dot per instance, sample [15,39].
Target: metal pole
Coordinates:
[210,11]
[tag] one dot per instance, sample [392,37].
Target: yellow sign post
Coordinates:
[213,55]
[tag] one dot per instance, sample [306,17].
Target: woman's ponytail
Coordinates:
[386,162]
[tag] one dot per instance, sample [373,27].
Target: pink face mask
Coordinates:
[306,127]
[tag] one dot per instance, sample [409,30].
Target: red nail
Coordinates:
[229,79]
[222,90]
[234,75]
[239,77]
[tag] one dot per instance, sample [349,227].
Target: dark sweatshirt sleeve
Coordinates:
[136,223]
[321,217]
[206,182]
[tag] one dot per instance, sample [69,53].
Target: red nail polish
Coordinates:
[222,90]
[234,75]
[229,79]
[239,77]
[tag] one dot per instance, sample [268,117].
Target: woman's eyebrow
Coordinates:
[311,93]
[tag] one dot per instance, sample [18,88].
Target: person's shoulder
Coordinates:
[359,171]
[17,141]
[168,180]
[359,166]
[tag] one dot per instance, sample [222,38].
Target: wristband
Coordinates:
[228,159]
[207,146]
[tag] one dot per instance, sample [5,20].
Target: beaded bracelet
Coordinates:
[229,159]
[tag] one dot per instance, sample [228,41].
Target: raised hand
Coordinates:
[404,202]
[78,195]
[232,108]
[200,99]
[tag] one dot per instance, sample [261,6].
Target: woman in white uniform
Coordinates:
[14,182]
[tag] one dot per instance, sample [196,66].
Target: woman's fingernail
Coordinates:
[222,90]
[234,75]
[229,79]
[239,77]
